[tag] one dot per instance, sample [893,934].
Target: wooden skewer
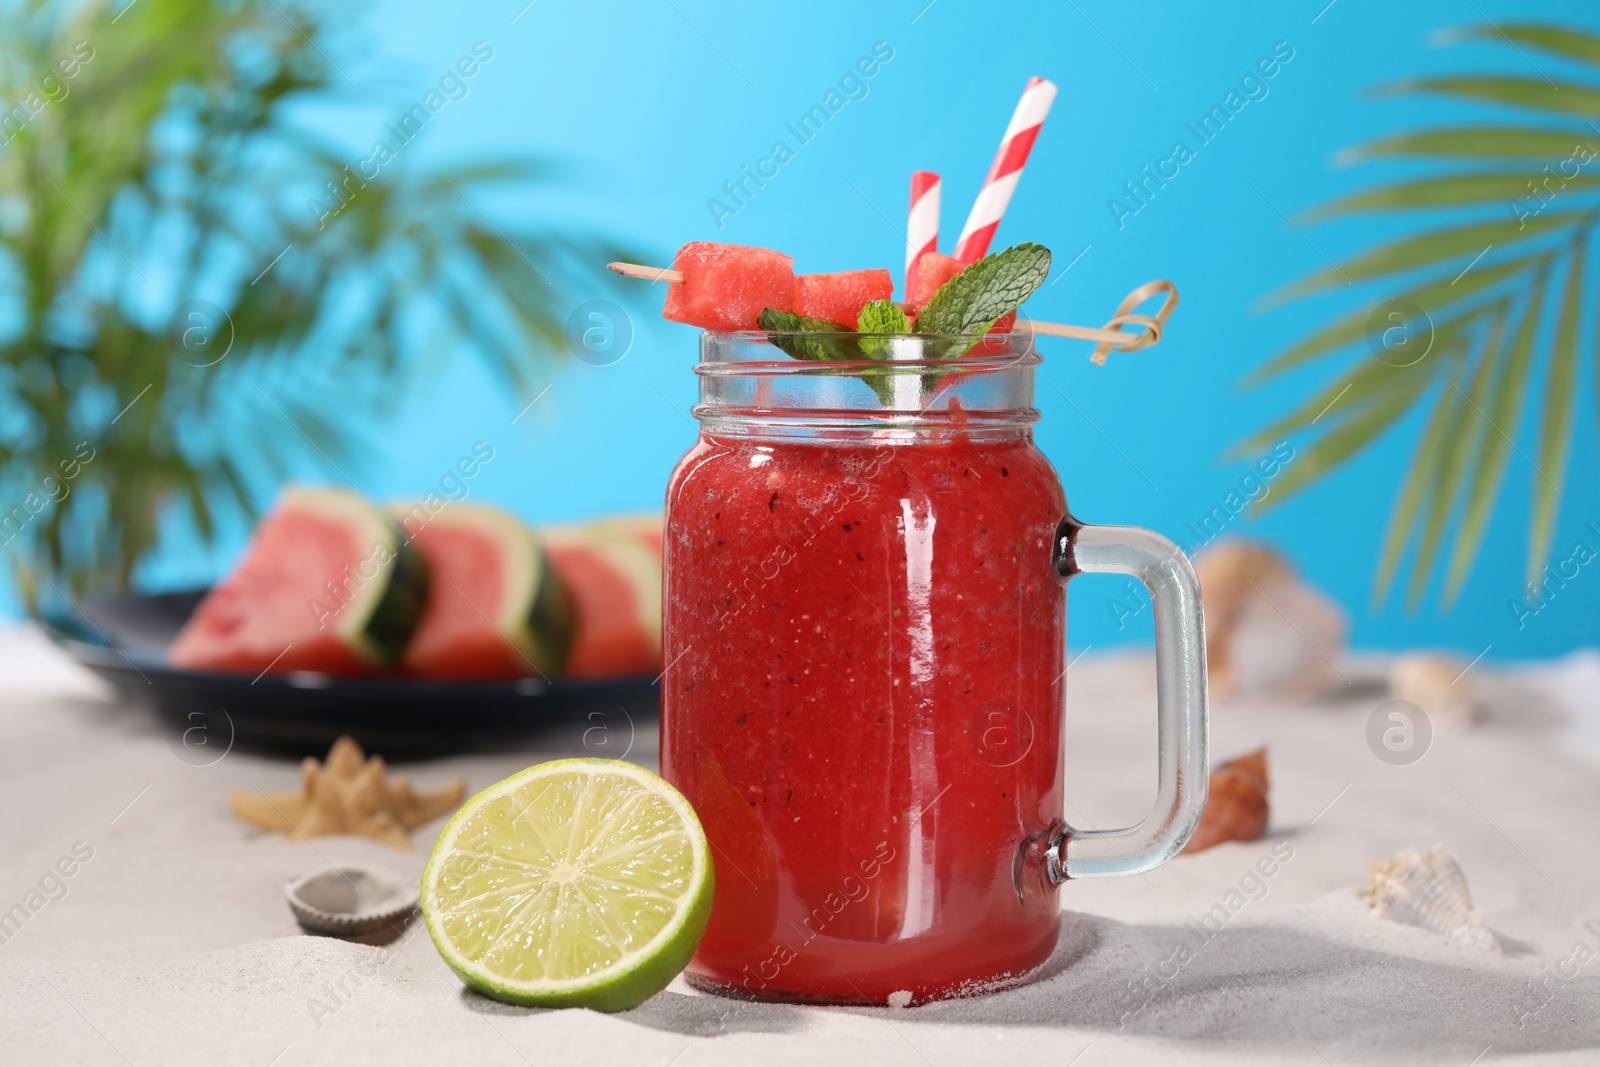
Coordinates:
[1111,336]
[1153,324]
[649,274]
[1118,339]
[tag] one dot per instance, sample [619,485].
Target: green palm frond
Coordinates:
[1478,142]
[154,166]
[1524,200]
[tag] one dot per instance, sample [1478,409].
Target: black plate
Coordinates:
[124,640]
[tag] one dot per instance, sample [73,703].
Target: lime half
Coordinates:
[578,883]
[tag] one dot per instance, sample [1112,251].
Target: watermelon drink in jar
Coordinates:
[865,638]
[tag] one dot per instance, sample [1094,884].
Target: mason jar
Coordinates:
[865,647]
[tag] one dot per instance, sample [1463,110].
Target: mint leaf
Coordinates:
[975,299]
[882,316]
[789,335]
[824,348]
[773,319]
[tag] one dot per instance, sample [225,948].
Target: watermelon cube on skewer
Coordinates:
[496,608]
[931,271]
[839,297]
[726,287]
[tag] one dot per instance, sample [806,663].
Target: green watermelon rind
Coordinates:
[638,565]
[404,599]
[551,624]
[379,616]
[538,620]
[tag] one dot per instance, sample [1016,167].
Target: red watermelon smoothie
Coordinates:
[865,641]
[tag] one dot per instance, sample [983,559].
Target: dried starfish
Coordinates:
[1236,809]
[349,794]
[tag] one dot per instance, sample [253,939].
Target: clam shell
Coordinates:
[1440,685]
[351,901]
[1427,889]
[1269,633]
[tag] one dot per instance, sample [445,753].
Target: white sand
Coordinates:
[172,944]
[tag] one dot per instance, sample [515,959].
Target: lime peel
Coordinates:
[575,883]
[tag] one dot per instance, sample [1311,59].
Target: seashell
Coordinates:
[1427,889]
[349,794]
[1268,633]
[351,901]
[1439,685]
[1236,805]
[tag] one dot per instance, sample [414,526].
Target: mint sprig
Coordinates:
[882,316]
[968,303]
[827,349]
[790,333]
[878,321]
[980,295]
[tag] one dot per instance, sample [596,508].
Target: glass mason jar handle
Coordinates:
[1180,702]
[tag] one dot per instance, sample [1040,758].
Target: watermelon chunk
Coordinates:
[615,585]
[726,287]
[496,609]
[645,528]
[326,584]
[931,271]
[839,297]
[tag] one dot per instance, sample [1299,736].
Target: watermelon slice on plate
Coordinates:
[615,585]
[644,528]
[326,584]
[496,609]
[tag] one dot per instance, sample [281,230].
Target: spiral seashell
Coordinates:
[1236,805]
[1427,889]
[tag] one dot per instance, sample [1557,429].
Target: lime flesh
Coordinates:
[578,883]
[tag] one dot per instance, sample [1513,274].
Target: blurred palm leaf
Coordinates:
[159,209]
[1476,294]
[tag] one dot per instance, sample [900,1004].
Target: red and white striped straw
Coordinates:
[922,221]
[1002,180]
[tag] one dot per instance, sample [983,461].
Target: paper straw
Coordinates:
[1007,168]
[922,222]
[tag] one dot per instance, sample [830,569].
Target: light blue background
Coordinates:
[656,103]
